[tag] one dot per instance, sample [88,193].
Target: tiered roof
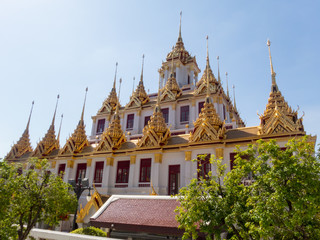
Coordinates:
[49,141]
[78,140]
[278,117]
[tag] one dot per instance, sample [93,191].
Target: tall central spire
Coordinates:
[208,66]
[27,128]
[274,87]
[115,76]
[141,77]
[180,37]
[84,104]
[55,110]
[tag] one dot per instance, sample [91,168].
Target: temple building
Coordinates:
[149,143]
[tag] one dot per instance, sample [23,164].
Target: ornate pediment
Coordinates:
[109,105]
[112,137]
[22,147]
[201,86]
[280,121]
[139,96]
[156,133]
[208,126]
[47,144]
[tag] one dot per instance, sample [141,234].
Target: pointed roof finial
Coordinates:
[172,66]
[27,128]
[84,104]
[58,137]
[234,97]
[55,110]
[133,84]
[141,78]
[115,76]
[118,103]
[158,98]
[208,65]
[219,79]
[180,38]
[227,85]
[273,74]
[208,90]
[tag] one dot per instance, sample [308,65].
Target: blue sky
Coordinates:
[61,47]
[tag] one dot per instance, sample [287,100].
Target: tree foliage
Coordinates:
[271,193]
[31,196]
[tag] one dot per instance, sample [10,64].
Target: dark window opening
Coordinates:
[188,79]
[203,165]
[81,171]
[174,179]
[123,172]
[145,170]
[100,126]
[165,113]
[98,172]
[130,121]
[146,120]
[184,114]
[61,170]
[233,158]
[224,112]
[200,106]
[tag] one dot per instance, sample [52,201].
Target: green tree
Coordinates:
[31,196]
[92,231]
[272,193]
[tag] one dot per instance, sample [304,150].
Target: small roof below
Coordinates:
[131,213]
[242,132]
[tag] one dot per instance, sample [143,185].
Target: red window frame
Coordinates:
[233,158]
[200,106]
[130,121]
[145,170]
[146,120]
[100,125]
[61,169]
[174,179]
[165,114]
[123,171]
[184,114]
[98,173]
[81,171]
[203,165]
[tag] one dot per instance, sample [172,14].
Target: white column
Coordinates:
[132,171]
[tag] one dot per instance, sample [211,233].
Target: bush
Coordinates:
[92,231]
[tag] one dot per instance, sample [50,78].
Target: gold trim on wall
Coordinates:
[110,161]
[158,157]
[188,155]
[133,159]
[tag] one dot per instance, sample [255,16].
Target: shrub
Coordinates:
[92,231]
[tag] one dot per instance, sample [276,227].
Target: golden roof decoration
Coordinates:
[155,133]
[23,146]
[179,51]
[278,117]
[109,105]
[171,90]
[201,85]
[113,136]
[208,126]
[78,140]
[49,141]
[95,201]
[139,96]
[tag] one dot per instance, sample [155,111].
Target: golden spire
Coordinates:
[78,140]
[278,117]
[234,97]
[171,90]
[207,68]
[274,87]
[141,77]
[218,70]
[155,133]
[113,136]
[139,97]
[110,103]
[227,85]
[180,38]
[207,76]
[49,141]
[115,77]
[23,145]
[58,137]
[179,50]
[208,125]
